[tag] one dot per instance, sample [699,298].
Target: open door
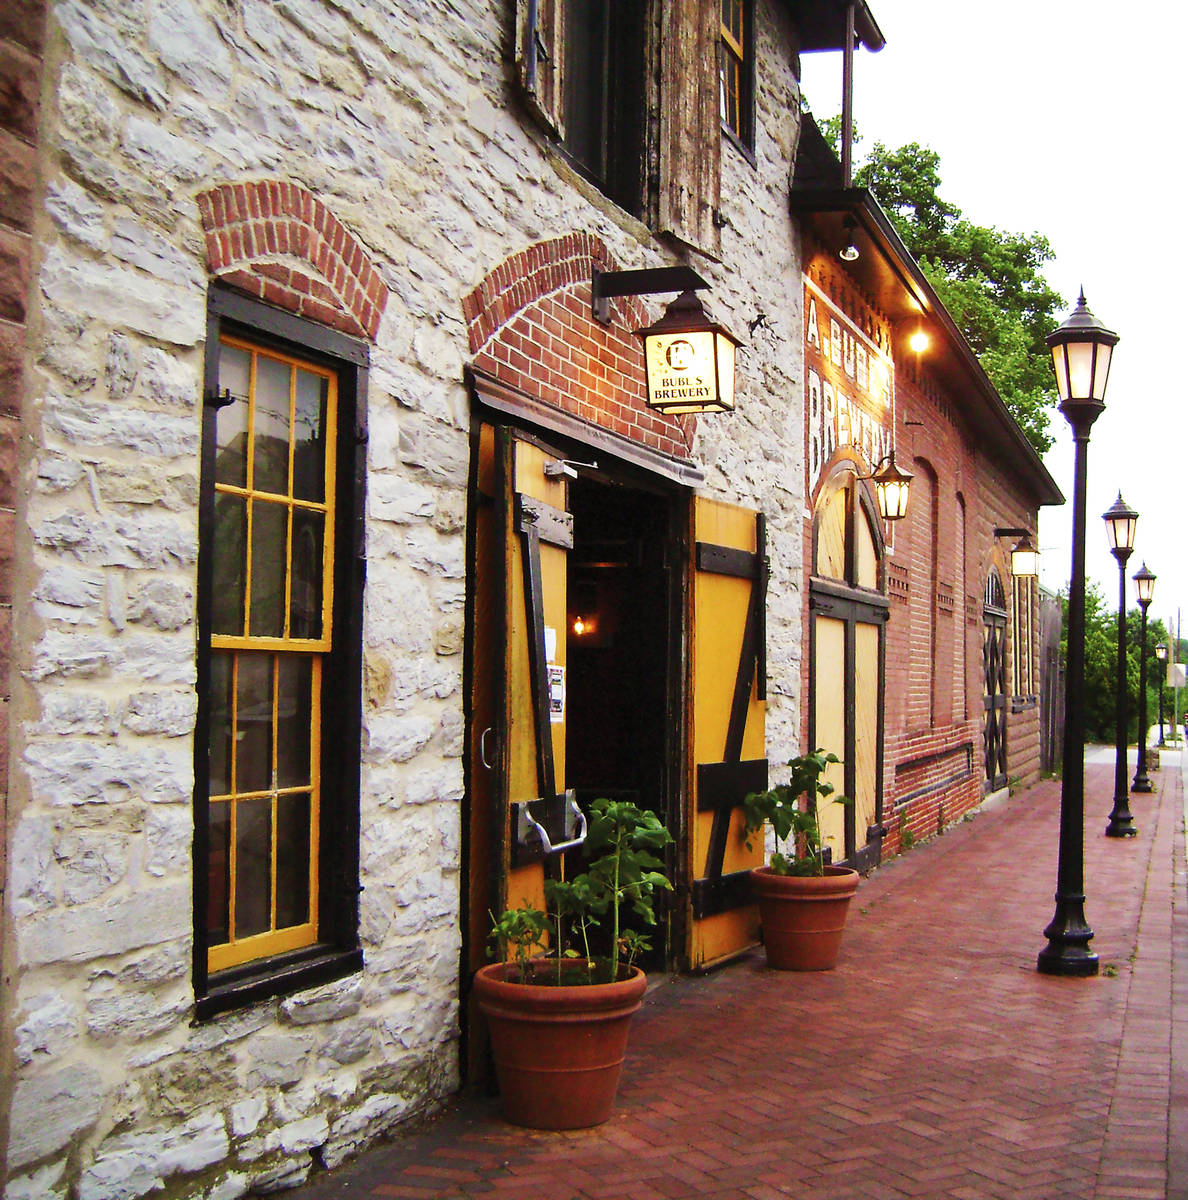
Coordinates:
[519,814]
[728,682]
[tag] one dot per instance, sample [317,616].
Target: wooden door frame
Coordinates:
[852,605]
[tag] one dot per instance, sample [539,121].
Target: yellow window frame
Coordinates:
[239,950]
[733,61]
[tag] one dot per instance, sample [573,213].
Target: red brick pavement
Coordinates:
[933,1062]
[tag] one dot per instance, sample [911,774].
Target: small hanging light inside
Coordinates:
[849,252]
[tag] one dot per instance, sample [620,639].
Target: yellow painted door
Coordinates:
[727,679]
[517,736]
[829,723]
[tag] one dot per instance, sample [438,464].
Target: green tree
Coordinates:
[1101,666]
[991,281]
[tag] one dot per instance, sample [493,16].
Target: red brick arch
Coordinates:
[280,243]
[530,325]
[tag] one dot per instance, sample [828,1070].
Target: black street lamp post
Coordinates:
[1144,582]
[1121,521]
[1161,655]
[1081,351]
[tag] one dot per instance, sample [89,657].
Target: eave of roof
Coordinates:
[822,25]
[889,275]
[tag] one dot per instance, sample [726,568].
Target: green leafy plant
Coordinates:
[625,867]
[792,811]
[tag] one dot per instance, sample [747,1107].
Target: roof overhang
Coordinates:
[822,25]
[893,282]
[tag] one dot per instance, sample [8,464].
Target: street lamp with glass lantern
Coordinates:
[1144,583]
[1121,522]
[1161,655]
[1081,351]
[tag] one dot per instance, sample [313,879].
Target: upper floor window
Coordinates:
[630,92]
[737,70]
[276,755]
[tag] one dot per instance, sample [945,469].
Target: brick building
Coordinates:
[343,549]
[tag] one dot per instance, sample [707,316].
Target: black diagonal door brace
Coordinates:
[722,786]
[538,522]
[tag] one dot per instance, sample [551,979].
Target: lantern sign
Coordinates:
[689,360]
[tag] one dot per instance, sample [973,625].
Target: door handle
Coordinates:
[483,749]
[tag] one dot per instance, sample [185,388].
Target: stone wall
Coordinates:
[400,124]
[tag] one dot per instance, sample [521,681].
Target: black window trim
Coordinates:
[338,952]
[744,139]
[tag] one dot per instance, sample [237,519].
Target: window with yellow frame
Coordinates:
[272,647]
[737,71]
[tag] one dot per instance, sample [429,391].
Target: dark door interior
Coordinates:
[618,651]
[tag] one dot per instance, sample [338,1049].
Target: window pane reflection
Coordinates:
[270,527]
[229,551]
[305,610]
[231,420]
[294,720]
[271,426]
[220,724]
[292,860]
[253,745]
[218,874]
[253,866]
[309,446]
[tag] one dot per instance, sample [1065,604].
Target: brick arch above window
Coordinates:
[278,242]
[531,326]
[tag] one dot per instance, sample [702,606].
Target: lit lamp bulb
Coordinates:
[918,341]
[579,626]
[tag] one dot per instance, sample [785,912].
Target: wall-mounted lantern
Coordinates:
[1024,555]
[891,485]
[688,359]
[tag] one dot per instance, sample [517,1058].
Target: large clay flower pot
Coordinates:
[803,916]
[558,1050]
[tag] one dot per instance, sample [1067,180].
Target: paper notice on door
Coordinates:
[556,694]
[550,644]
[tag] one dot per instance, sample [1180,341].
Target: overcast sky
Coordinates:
[1066,118]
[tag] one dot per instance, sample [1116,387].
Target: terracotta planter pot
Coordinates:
[803,916]
[558,1050]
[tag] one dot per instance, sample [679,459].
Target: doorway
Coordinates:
[619,738]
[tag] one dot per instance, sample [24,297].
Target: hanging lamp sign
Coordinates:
[689,360]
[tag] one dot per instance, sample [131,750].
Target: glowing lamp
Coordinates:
[689,360]
[891,489]
[1081,351]
[1025,558]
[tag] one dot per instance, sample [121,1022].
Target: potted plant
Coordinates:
[559,1024]
[803,901]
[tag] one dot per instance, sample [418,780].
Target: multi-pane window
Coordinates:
[737,70]
[276,764]
[271,627]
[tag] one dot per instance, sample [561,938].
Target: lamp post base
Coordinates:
[1121,824]
[1069,935]
[1141,783]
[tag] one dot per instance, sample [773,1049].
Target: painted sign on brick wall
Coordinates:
[849,387]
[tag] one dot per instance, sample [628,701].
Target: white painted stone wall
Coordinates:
[400,117]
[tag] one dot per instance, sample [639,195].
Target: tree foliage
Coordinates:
[991,281]
[1101,666]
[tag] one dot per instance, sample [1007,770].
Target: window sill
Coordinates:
[283,975]
[746,151]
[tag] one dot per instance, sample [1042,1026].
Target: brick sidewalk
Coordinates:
[934,1062]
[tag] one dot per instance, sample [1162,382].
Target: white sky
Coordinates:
[1066,118]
